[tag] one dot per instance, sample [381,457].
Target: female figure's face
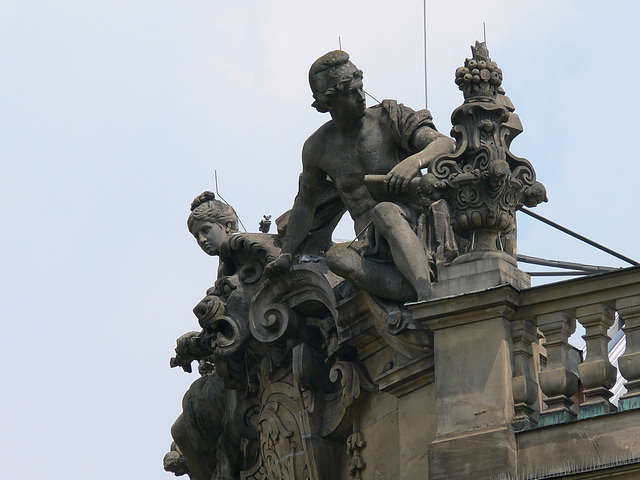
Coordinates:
[209,235]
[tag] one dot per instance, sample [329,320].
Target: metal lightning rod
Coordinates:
[426,97]
[215,173]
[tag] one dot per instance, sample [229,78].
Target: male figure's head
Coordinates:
[336,84]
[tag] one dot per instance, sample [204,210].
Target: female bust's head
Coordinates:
[210,221]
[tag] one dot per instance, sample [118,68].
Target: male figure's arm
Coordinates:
[415,132]
[430,144]
[301,218]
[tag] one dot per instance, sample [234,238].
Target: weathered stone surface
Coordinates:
[467,339]
[305,375]
[381,453]
[582,443]
[475,455]
[416,431]
[481,397]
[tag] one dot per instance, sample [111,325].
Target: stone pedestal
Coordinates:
[479,271]
[474,404]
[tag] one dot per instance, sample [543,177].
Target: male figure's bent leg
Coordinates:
[406,249]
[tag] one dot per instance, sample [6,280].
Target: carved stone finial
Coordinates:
[480,78]
[482,181]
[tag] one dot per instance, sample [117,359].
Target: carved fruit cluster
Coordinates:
[480,75]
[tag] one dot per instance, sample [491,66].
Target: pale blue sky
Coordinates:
[115,115]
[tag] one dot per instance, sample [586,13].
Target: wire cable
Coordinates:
[578,236]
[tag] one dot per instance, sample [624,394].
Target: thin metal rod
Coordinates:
[426,97]
[339,42]
[376,100]
[568,273]
[215,172]
[361,232]
[484,32]
[578,236]
[560,264]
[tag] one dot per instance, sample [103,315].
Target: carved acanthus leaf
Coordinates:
[353,379]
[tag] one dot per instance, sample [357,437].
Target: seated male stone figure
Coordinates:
[387,139]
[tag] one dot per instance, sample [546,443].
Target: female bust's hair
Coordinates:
[206,208]
[329,75]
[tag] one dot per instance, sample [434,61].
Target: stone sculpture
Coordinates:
[204,441]
[482,181]
[292,323]
[203,444]
[388,139]
[265,224]
[211,221]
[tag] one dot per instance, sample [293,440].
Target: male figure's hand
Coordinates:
[398,179]
[280,265]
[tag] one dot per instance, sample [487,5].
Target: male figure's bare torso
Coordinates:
[390,140]
[346,157]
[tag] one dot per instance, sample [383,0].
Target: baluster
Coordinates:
[629,362]
[525,386]
[557,380]
[596,372]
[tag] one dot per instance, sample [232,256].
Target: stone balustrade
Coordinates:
[549,383]
[525,386]
[629,362]
[554,309]
[504,367]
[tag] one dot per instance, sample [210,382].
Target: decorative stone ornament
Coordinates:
[482,181]
[480,78]
[355,444]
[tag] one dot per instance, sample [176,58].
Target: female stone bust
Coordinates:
[211,221]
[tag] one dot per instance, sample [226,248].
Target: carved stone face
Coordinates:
[209,235]
[349,104]
[223,315]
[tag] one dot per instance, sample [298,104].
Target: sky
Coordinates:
[116,114]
